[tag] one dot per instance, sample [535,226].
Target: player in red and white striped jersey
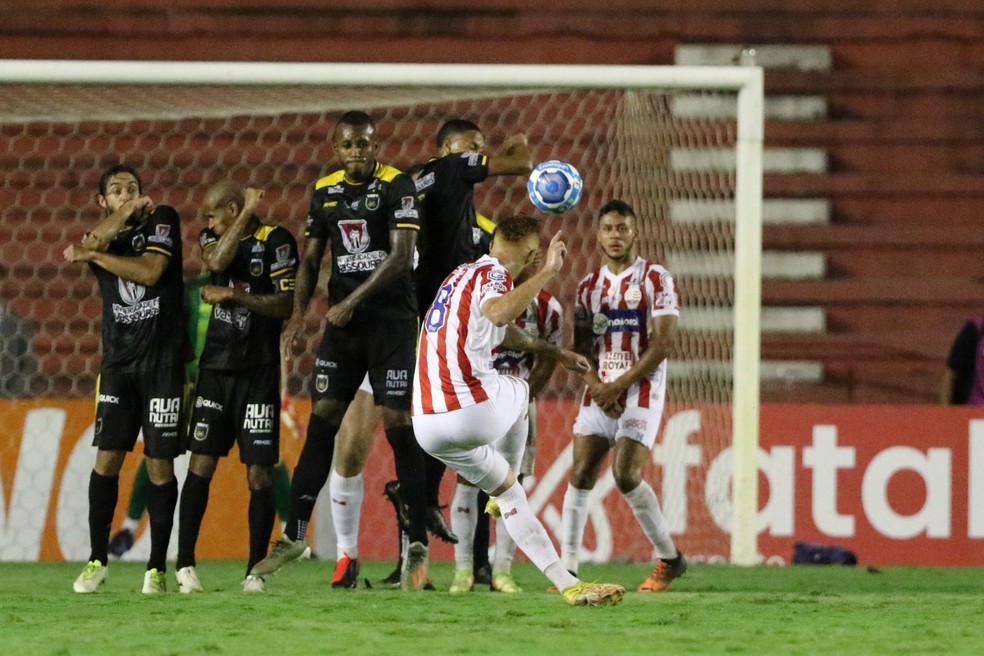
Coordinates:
[465,413]
[624,319]
[543,319]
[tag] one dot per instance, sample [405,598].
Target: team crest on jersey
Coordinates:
[355,235]
[256,268]
[633,294]
[163,231]
[138,242]
[131,293]
[321,383]
[599,324]
[372,202]
[283,252]
[201,431]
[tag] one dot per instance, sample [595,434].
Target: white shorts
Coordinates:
[481,442]
[639,424]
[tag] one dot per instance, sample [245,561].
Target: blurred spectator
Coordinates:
[18,363]
[963,380]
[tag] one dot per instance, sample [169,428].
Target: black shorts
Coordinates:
[127,403]
[237,406]
[386,349]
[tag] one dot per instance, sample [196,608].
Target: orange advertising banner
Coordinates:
[895,484]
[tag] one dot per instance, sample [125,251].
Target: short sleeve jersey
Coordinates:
[144,325]
[454,358]
[618,308]
[357,220]
[451,232]
[265,263]
[542,320]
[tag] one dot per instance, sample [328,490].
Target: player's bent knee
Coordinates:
[259,477]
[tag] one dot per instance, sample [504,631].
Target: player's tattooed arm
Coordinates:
[219,255]
[278,306]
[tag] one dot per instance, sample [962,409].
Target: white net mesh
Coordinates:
[657,150]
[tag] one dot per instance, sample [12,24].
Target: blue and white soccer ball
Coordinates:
[554,186]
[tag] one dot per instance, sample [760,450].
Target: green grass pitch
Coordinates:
[714,609]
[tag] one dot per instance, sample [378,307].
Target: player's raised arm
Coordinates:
[222,200]
[514,158]
[504,309]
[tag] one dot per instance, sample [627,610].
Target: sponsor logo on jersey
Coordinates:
[360,262]
[201,402]
[621,320]
[328,364]
[321,383]
[164,412]
[257,247]
[138,242]
[162,235]
[425,182]
[494,286]
[334,189]
[136,309]
[408,209]
[635,423]
[397,379]
[200,432]
[497,274]
[372,201]
[109,398]
[599,324]
[259,417]
[131,293]
[355,235]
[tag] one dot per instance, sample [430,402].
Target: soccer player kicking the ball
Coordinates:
[542,319]
[624,319]
[237,397]
[368,214]
[135,253]
[466,414]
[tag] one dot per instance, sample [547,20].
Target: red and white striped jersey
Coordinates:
[618,308]
[542,320]
[454,357]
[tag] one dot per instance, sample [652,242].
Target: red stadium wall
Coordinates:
[892,483]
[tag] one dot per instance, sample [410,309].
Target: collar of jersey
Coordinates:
[375,174]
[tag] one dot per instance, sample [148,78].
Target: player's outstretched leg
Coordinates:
[284,551]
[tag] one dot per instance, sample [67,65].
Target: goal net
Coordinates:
[681,145]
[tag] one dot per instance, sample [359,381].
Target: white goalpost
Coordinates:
[653,134]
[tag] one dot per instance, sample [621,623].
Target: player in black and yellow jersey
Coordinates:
[135,253]
[368,214]
[452,232]
[237,396]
